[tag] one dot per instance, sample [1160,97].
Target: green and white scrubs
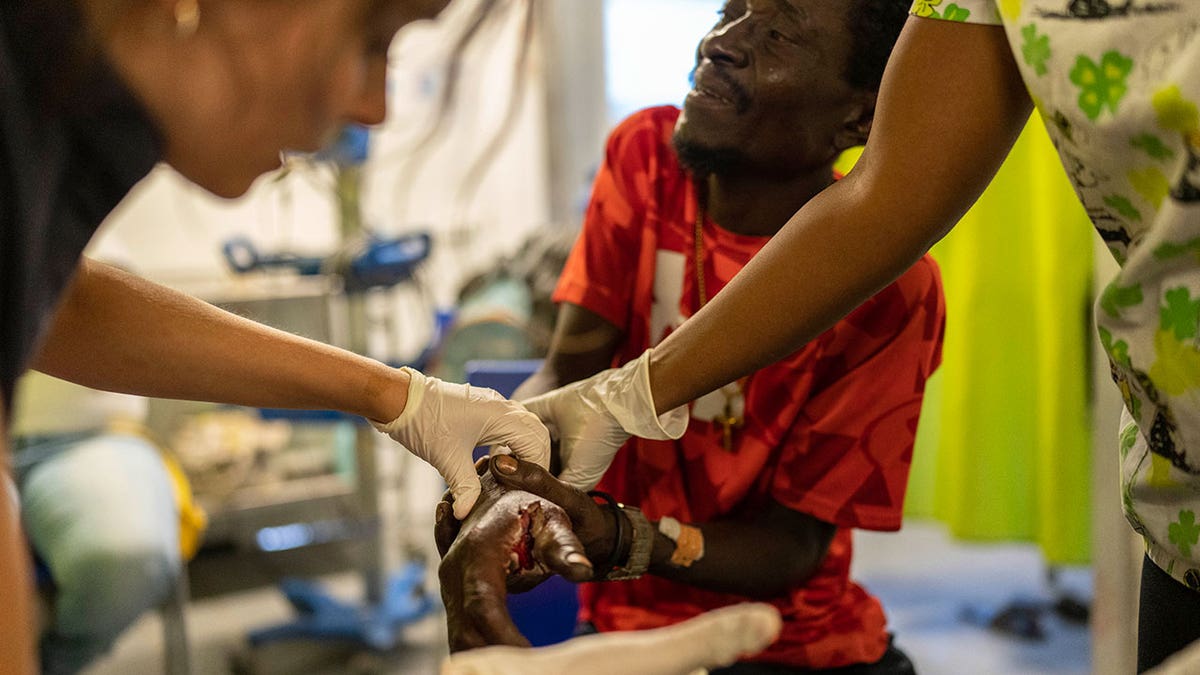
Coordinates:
[1117,83]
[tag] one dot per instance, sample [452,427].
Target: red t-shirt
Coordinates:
[828,430]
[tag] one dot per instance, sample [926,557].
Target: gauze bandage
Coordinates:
[711,640]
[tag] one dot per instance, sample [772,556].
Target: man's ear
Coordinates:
[857,124]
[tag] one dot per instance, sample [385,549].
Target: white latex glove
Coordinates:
[594,417]
[443,422]
[711,640]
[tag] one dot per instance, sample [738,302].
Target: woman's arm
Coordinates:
[18,621]
[951,106]
[118,332]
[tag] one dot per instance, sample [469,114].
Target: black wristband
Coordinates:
[614,558]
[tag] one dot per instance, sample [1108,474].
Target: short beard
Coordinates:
[703,161]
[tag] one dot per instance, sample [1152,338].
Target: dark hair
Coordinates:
[875,25]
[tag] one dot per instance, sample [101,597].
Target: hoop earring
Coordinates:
[187,17]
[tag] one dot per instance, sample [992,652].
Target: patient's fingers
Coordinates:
[474,593]
[556,546]
[485,603]
[520,475]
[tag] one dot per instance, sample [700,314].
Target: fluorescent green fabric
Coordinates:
[1003,451]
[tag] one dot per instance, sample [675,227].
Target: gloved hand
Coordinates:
[442,423]
[594,417]
[711,640]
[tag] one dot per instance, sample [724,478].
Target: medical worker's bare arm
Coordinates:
[951,106]
[116,331]
[18,644]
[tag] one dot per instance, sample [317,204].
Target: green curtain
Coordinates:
[1004,451]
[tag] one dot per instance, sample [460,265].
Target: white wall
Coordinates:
[651,48]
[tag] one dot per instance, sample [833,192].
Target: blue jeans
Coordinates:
[100,512]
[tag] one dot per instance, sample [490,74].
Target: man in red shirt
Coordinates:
[758,499]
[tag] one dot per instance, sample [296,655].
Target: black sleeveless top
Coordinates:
[73,142]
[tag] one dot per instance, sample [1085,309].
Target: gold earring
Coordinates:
[187,17]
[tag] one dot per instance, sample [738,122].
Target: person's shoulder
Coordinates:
[924,276]
[656,120]
[647,131]
[916,286]
[915,296]
[919,290]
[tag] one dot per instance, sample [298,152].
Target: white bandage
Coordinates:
[711,640]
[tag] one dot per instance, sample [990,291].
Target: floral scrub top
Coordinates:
[1117,83]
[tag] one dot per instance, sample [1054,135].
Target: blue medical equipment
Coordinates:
[370,263]
[377,626]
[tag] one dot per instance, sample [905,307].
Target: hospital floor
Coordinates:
[939,595]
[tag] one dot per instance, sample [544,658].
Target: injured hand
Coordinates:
[511,541]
